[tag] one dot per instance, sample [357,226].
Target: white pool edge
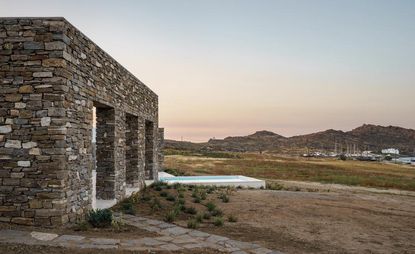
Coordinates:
[242,181]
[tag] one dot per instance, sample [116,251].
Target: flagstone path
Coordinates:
[172,238]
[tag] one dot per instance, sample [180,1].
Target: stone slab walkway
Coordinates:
[172,238]
[188,238]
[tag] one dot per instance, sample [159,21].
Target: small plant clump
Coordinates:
[128,208]
[170,198]
[192,223]
[232,218]
[81,226]
[145,198]
[207,216]
[163,194]
[216,212]
[224,198]
[274,186]
[199,218]
[181,201]
[155,205]
[191,210]
[210,206]
[170,216]
[218,221]
[100,218]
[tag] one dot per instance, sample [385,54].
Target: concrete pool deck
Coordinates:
[225,180]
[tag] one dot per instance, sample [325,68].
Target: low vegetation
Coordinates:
[100,218]
[270,166]
[194,206]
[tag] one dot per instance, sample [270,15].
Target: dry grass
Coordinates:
[268,166]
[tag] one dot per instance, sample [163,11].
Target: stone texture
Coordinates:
[52,77]
[26,89]
[5,129]
[13,144]
[43,236]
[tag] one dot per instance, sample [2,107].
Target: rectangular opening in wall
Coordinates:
[149,150]
[131,151]
[105,163]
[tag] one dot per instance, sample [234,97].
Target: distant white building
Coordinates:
[390,151]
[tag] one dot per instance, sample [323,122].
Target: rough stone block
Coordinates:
[43,74]
[33,45]
[29,144]
[54,62]
[13,97]
[5,129]
[20,105]
[23,163]
[55,45]
[13,144]
[56,112]
[26,89]
[45,121]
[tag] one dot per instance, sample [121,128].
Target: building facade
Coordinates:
[55,85]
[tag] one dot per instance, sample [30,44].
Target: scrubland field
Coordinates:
[274,167]
[358,213]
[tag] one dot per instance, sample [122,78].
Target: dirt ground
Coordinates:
[316,222]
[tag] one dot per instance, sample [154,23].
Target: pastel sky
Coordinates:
[228,67]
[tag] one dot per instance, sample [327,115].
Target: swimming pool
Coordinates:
[226,180]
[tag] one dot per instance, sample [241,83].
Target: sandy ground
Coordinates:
[322,222]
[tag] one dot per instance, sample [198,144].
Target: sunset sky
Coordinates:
[226,68]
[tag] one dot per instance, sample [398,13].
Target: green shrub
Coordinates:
[210,206]
[203,195]
[207,216]
[158,188]
[218,221]
[100,218]
[192,223]
[170,216]
[211,189]
[199,218]
[232,218]
[128,208]
[81,226]
[216,212]
[164,194]
[197,200]
[170,198]
[191,210]
[145,197]
[181,201]
[274,186]
[224,197]
[155,204]
[181,195]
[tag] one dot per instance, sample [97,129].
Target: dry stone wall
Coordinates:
[52,76]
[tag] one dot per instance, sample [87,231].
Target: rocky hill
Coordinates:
[365,137]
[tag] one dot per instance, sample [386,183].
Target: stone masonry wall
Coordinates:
[51,77]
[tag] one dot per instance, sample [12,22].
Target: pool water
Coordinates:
[198,178]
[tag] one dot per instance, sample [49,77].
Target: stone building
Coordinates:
[53,79]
